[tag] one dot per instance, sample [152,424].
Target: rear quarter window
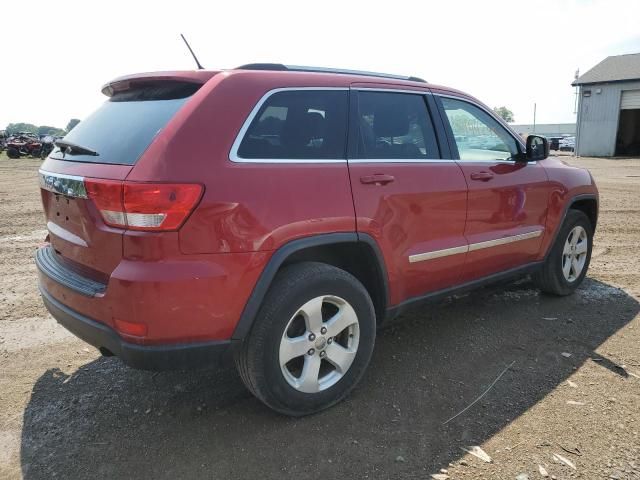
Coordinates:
[298,124]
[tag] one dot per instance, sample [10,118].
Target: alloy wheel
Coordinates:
[574,253]
[319,344]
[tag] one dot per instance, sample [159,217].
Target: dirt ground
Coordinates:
[572,392]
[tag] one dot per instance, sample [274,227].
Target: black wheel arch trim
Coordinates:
[567,207]
[279,257]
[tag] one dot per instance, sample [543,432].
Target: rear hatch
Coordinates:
[82,180]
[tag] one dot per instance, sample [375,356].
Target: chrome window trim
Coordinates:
[287,160]
[400,160]
[233,154]
[60,183]
[510,162]
[420,257]
[425,160]
[234,157]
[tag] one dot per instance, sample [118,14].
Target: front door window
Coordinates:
[478,136]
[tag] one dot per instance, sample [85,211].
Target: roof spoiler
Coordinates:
[124,83]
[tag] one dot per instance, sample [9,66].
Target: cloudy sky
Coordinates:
[511,53]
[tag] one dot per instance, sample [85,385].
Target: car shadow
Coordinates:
[106,420]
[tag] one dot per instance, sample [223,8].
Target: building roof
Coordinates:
[617,68]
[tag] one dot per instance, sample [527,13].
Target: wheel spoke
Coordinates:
[567,248]
[340,357]
[581,247]
[312,311]
[345,317]
[308,380]
[575,266]
[566,267]
[291,348]
[574,237]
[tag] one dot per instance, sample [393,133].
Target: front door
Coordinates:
[406,196]
[507,203]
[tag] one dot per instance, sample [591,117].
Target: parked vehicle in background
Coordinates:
[47,145]
[567,144]
[240,219]
[554,143]
[23,144]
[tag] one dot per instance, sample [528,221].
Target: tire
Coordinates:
[285,321]
[553,277]
[13,152]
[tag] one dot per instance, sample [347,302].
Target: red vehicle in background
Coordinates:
[281,214]
[23,144]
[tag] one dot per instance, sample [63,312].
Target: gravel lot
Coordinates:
[572,392]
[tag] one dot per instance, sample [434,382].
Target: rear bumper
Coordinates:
[181,299]
[155,357]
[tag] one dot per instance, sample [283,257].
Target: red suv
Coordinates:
[280,215]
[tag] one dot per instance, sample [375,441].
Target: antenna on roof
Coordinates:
[200,67]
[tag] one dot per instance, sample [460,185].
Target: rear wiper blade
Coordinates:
[71,148]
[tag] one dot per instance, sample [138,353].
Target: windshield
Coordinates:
[124,126]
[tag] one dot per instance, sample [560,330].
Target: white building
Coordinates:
[546,129]
[609,108]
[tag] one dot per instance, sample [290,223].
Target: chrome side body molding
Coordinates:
[421,257]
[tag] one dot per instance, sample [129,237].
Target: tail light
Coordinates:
[143,206]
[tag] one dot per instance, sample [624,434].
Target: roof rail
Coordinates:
[299,68]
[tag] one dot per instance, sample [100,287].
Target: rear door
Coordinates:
[408,195]
[507,204]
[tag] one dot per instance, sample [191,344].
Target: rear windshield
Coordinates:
[125,125]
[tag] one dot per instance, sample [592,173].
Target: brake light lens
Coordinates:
[107,197]
[159,206]
[143,206]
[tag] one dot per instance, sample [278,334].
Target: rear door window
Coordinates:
[298,125]
[395,126]
[125,125]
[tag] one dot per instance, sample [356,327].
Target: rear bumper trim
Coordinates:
[146,357]
[48,263]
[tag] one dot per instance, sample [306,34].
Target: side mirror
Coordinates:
[537,148]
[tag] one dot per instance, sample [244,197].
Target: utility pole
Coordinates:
[575,103]
[534,118]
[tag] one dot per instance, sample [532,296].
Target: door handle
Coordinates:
[377,179]
[482,176]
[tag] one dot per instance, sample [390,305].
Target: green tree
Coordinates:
[505,113]
[46,130]
[13,128]
[72,123]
